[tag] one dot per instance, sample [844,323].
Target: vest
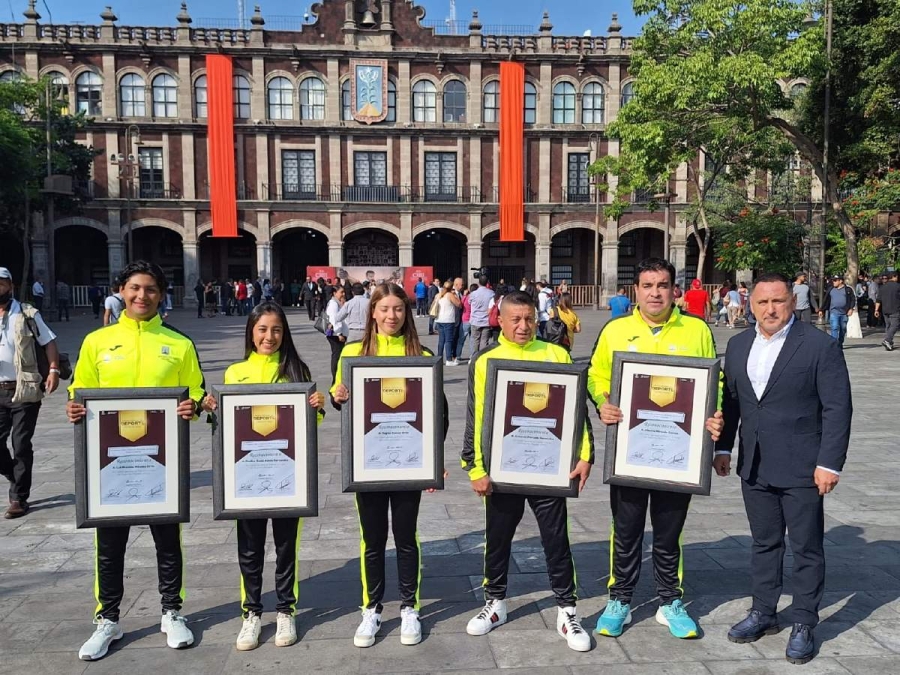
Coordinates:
[28,378]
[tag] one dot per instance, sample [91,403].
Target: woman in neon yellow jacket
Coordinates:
[270,357]
[390,331]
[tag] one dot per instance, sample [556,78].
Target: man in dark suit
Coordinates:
[308,296]
[787,385]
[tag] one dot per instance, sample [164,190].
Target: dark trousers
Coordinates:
[38,302]
[503,515]
[251,537]
[871,320]
[62,307]
[421,309]
[892,321]
[311,307]
[95,306]
[336,348]
[110,567]
[668,511]
[373,523]
[801,510]
[804,315]
[17,423]
[481,338]
[200,307]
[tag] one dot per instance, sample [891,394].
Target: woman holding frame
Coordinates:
[390,331]
[270,358]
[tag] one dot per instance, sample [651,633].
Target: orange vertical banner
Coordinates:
[220,143]
[512,137]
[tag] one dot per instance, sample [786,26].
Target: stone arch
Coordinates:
[80,220]
[441,225]
[425,76]
[641,224]
[161,70]
[591,79]
[494,227]
[157,222]
[295,82]
[131,70]
[242,225]
[56,68]
[372,225]
[572,225]
[298,223]
[454,76]
[80,70]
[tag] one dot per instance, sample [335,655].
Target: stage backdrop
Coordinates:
[407,277]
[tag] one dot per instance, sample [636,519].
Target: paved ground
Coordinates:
[46,565]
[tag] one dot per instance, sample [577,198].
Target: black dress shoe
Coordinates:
[801,646]
[16,509]
[753,627]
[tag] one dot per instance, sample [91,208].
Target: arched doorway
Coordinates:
[444,250]
[572,257]
[634,246]
[510,261]
[162,246]
[295,249]
[227,257]
[13,256]
[371,248]
[81,256]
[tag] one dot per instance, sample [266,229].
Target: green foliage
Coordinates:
[876,253]
[760,241]
[875,195]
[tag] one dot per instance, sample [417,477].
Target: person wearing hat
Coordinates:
[21,389]
[840,301]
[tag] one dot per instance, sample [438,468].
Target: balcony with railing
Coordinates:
[243,192]
[578,194]
[387,194]
[153,190]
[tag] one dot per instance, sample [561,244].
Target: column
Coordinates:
[545,171]
[545,94]
[187,166]
[258,89]
[404,95]
[185,111]
[609,270]
[405,241]
[108,104]
[115,251]
[475,94]
[335,239]
[264,259]
[333,92]
[474,242]
[542,262]
[406,254]
[191,258]
[678,258]
[613,96]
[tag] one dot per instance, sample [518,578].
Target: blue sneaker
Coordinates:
[614,619]
[676,617]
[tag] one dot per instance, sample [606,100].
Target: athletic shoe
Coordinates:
[368,628]
[676,617]
[450,363]
[178,635]
[493,614]
[410,627]
[615,617]
[248,638]
[98,644]
[286,634]
[568,625]
[887,345]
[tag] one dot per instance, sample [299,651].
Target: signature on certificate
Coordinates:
[156,490]
[245,486]
[265,486]
[114,493]
[283,483]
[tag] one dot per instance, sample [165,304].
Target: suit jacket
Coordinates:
[802,419]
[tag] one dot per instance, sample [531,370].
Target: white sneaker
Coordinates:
[368,628]
[248,638]
[450,363]
[286,634]
[178,635]
[98,644]
[492,615]
[568,625]
[410,627]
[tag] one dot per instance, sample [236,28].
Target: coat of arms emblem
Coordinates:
[368,90]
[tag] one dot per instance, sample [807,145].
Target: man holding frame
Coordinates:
[504,510]
[138,351]
[656,326]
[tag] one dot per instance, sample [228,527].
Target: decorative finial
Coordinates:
[108,15]
[475,23]
[546,26]
[31,13]
[257,18]
[615,27]
[183,17]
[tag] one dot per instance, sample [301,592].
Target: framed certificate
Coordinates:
[265,452]
[392,427]
[533,426]
[131,458]
[663,443]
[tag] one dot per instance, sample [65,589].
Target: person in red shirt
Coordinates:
[696,300]
[240,295]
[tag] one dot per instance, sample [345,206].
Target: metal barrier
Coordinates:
[583,296]
[80,295]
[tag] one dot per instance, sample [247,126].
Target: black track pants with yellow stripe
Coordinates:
[668,511]
[109,567]
[373,526]
[251,536]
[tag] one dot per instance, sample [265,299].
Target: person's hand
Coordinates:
[582,471]
[75,411]
[821,312]
[432,490]
[722,465]
[52,383]
[715,424]
[317,400]
[482,486]
[209,403]
[341,393]
[849,312]
[826,481]
[877,314]
[186,409]
[610,414]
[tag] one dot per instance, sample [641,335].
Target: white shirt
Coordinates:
[37,289]
[446,311]
[763,355]
[8,343]
[332,310]
[115,304]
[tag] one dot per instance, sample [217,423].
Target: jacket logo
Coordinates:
[164,350]
[244,379]
[634,338]
[112,349]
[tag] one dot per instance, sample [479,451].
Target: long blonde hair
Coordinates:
[408,330]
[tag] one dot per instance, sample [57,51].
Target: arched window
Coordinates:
[424,102]
[392,102]
[88,93]
[346,109]
[280,96]
[8,77]
[200,97]
[59,89]
[491,100]
[592,104]
[132,96]
[165,96]
[312,99]
[241,88]
[530,103]
[564,103]
[455,101]
[798,90]
[627,93]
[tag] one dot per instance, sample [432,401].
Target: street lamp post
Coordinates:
[826,129]
[129,167]
[595,142]
[667,196]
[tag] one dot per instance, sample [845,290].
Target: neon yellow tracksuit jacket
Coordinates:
[535,350]
[138,354]
[262,369]
[681,335]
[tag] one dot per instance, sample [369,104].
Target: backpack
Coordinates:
[494,316]
[556,331]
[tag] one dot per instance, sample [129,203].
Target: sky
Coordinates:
[569,17]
